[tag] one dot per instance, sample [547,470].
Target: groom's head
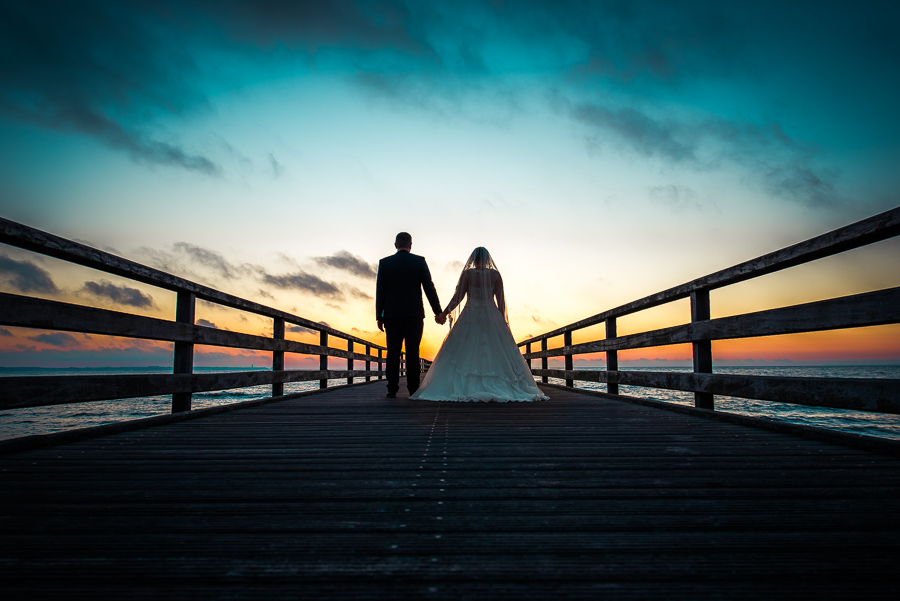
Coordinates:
[403,241]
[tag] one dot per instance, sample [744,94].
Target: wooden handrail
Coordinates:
[874,229]
[859,310]
[29,312]
[29,238]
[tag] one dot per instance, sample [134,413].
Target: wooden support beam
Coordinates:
[567,341]
[702,349]
[544,359]
[350,361]
[612,357]
[278,356]
[368,363]
[184,351]
[323,358]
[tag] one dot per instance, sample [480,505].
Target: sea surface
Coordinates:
[43,420]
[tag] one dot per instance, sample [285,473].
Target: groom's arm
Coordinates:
[379,294]
[428,287]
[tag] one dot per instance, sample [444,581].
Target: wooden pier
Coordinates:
[341,493]
[346,494]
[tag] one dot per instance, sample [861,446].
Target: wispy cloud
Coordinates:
[306,282]
[206,323]
[277,168]
[347,262]
[122,295]
[783,165]
[25,276]
[59,339]
[5,333]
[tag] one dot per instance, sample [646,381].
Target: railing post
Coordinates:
[612,358]
[350,362]
[368,363]
[702,348]
[528,352]
[323,359]
[278,356]
[544,379]
[380,364]
[567,341]
[184,351]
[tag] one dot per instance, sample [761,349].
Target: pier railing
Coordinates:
[30,312]
[859,310]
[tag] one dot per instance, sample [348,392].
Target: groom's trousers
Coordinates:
[398,331]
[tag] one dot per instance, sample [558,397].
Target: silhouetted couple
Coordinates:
[479,359]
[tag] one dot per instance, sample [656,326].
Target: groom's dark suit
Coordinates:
[398,303]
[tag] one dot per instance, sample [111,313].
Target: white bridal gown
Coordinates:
[479,359]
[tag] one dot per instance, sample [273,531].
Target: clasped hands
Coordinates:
[441,318]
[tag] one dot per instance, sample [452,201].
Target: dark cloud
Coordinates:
[25,276]
[56,339]
[212,260]
[206,323]
[122,295]
[784,165]
[277,168]
[5,332]
[347,262]
[307,282]
[357,293]
[300,329]
[102,69]
[803,184]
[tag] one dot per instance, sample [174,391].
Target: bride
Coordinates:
[479,359]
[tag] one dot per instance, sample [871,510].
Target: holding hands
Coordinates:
[441,318]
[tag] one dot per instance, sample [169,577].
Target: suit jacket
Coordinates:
[398,289]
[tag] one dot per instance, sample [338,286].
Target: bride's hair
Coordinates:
[480,257]
[490,286]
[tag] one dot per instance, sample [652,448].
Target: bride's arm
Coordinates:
[498,294]
[461,290]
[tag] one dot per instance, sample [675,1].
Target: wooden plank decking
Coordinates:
[349,495]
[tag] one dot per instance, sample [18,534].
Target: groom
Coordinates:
[399,309]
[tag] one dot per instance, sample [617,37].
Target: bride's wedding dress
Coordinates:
[479,359]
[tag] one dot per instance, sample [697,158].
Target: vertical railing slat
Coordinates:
[323,359]
[380,364]
[278,356]
[544,379]
[350,361]
[368,363]
[528,352]
[702,350]
[612,359]
[185,305]
[567,341]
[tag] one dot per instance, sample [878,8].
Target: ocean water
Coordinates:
[43,420]
[56,418]
[857,422]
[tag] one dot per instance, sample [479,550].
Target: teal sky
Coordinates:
[601,150]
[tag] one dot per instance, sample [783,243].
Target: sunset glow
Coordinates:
[601,154]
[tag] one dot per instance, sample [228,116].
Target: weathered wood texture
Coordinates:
[874,229]
[859,394]
[24,311]
[859,310]
[349,495]
[37,391]
[29,238]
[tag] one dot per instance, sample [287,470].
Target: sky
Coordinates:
[602,151]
